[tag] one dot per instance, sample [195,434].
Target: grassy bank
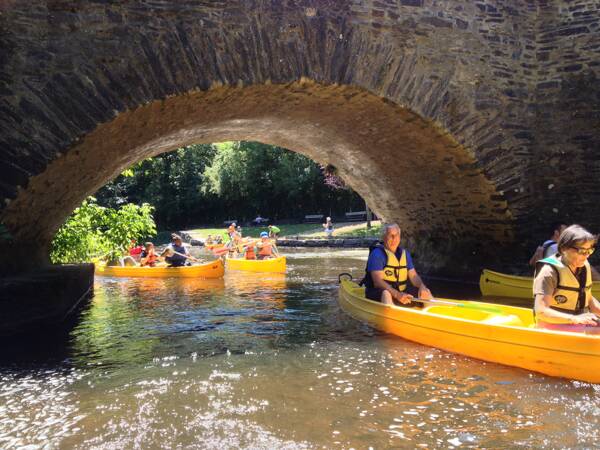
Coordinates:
[302,230]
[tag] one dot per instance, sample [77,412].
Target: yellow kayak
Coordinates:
[504,336]
[503,285]
[213,269]
[258,265]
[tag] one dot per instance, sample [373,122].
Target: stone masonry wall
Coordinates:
[503,92]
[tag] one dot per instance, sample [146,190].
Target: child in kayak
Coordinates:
[266,249]
[148,256]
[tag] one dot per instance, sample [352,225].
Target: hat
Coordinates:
[264,234]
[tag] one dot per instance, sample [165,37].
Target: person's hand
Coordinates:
[585,319]
[403,297]
[425,293]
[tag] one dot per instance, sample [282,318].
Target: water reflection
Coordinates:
[270,361]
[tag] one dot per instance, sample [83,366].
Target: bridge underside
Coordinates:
[400,163]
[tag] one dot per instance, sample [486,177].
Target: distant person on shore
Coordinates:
[389,268]
[259,220]
[550,246]
[274,232]
[176,254]
[209,240]
[562,286]
[266,249]
[328,226]
[238,230]
[148,256]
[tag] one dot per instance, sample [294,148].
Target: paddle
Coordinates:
[434,301]
[185,256]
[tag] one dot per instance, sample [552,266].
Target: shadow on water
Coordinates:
[44,347]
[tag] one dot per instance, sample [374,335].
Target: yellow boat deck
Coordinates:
[212,269]
[275,265]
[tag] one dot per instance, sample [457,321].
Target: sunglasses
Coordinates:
[584,251]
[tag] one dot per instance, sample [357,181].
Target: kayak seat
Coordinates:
[461,313]
[504,319]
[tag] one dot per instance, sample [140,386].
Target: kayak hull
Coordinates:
[213,269]
[503,285]
[275,265]
[506,338]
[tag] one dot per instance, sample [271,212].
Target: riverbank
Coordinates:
[346,234]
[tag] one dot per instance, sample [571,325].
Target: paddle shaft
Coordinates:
[185,256]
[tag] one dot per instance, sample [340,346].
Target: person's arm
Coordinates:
[595,306]
[416,281]
[379,282]
[537,255]
[547,314]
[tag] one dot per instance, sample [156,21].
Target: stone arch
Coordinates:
[487,79]
[403,165]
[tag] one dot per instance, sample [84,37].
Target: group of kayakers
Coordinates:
[562,287]
[239,247]
[174,255]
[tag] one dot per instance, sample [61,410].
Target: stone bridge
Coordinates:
[455,118]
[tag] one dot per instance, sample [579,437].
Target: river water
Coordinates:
[268,361]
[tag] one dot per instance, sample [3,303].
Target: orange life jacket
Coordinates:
[250,252]
[150,259]
[266,250]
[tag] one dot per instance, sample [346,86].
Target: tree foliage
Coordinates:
[95,231]
[203,184]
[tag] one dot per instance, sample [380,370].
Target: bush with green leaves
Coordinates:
[97,232]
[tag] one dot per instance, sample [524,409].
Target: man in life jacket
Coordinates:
[389,268]
[265,247]
[562,286]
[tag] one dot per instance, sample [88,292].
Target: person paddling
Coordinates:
[562,286]
[266,249]
[176,255]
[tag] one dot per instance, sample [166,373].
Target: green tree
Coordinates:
[203,184]
[94,231]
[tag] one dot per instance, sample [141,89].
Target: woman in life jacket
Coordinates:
[562,286]
[389,268]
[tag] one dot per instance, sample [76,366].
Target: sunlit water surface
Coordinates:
[269,361]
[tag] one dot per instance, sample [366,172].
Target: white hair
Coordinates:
[387,227]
